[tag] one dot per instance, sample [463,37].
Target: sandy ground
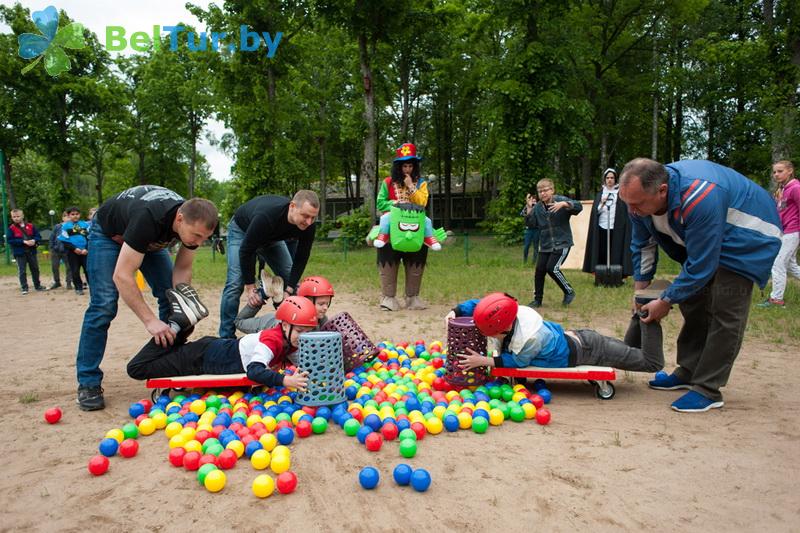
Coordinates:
[627,464]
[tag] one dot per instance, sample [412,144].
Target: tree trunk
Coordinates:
[369,163]
[654,133]
[586,176]
[678,131]
[604,150]
[404,83]
[99,176]
[193,158]
[142,179]
[12,200]
[323,180]
[448,161]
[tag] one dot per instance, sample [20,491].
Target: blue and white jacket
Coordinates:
[722,220]
[74,235]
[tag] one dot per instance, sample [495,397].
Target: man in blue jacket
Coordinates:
[725,232]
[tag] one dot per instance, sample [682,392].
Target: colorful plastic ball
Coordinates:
[543,416]
[517,413]
[420,480]
[464,420]
[207,459]
[215,481]
[203,471]
[238,447]
[389,431]
[285,436]
[496,417]
[287,482]
[98,465]
[351,427]
[369,476]
[268,441]
[374,441]
[545,394]
[408,433]
[191,460]
[176,456]
[227,459]
[319,425]
[108,447]
[362,433]
[115,434]
[408,448]
[252,447]
[402,474]
[53,415]
[263,486]
[434,426]
[373,421]
[537,401]
[280,463]
[451,423]
[147,426]
[136,409]
[529,410]
[480,425]
[131,431]
[303,428]
[260,459]
[215,449]
[128,448]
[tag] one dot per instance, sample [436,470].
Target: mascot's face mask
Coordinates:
[407,229]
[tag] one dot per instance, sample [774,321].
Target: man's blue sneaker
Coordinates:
[664,381]
[694,402]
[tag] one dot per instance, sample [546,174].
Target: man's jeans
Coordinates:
[278,255]
[156,269]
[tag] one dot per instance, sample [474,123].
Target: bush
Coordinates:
[504,222]
[355,226]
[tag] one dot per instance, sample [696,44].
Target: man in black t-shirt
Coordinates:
[131,232]
[280,231]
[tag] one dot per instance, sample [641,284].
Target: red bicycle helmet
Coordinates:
[315,286]
[495,313]
[297,311]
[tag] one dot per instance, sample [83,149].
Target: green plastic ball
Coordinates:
[213,401]
[203,471]
[408,448]
[351,427]
[130,430]
[495,393]
[517,413]
[283,416]
[319,425]
[480,424]
[407,434]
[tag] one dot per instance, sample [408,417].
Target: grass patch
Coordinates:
[29,397]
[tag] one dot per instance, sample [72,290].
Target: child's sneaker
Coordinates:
[535,304]
[568,298]
[664,381]
[182,315]
[190,294]
[694,402]
[39,288]
[381,240]
[271,287]
[24,291]
[771,302]
[432,243]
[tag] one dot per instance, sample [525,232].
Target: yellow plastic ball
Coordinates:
[296,416]
[177,441]
[147,426]
[252,419]
[215,481]
[439,411]
[517,397]
[280,449]
[496,417]
[263,486]
[450,395]
[530,410]
[116,434]
[198,407]
[172,429]
[280,463]
[434,425]
[483,405]
[260,459]
[237,446]
[284,399]
[193,446]
[464,420]
[160,420]
[269,441]
[270,423]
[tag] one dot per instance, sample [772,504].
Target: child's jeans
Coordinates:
[29,259]
[644,351]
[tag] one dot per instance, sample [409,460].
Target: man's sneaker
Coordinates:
[271,287]
[771,302]
[535,303]
[664,381]
[190,294]
[90,398]
[694,402]
[568,298]
[54,285]
[181,313]
[40,289]
[24,291]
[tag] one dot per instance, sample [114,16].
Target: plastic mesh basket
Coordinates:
[357,349]
[321,356]
[462,334]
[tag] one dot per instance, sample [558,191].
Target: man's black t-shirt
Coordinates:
[265,220]
[142,217]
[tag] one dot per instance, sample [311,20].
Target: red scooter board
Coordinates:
[599,376]
[202,381]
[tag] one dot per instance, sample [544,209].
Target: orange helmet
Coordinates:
[495,313]
[315,286]
[297,311]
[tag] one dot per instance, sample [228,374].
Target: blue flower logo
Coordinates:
[51,43]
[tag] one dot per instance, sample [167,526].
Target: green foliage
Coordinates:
[355,226]
[504,222]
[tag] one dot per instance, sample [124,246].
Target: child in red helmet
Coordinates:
[519,337]
[260,355]
[316,288]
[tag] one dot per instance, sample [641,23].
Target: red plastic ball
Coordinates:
[216,430]
[286,482]
[310,410]
[389,431]
[202,435]
[537,401]
[247,439]
[383,356]
[283,424]
[98,465]
[357,414]
[227,459]
[128,448]
[176,456]
[419,429]
[374,441]
[53,415]
[303,429]
[206,459]
[147,404]
[236,426]
[437,362]
[543,416]
[191,460]
[192,425]
[139,418]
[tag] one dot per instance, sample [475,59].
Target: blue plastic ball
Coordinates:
[285,436]
[324,412]
[402,474]
[420,480]
[136,409]
[373,421]
[403,424]
[539,384]
[251,448]
[108,447]
[451,423]
[369,477]
[545,394]
[363,431]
